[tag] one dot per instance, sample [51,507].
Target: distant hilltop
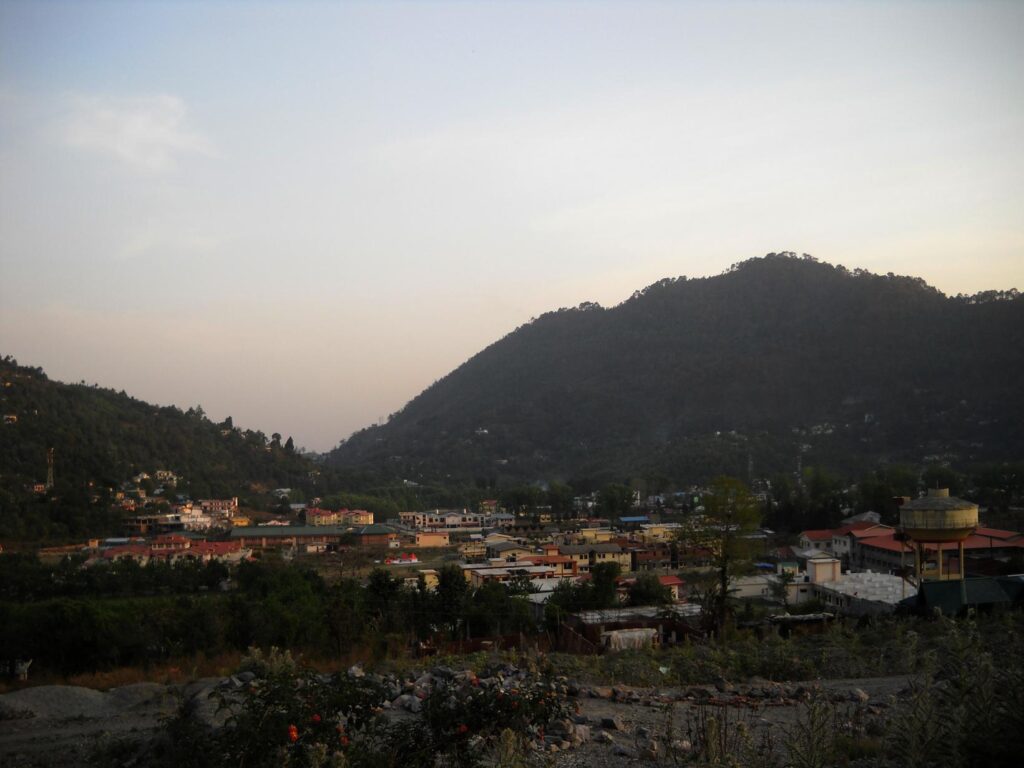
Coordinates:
[102,438]
[781,359]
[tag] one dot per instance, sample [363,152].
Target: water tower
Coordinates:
[934,521]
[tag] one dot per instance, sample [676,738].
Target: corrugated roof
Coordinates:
[377,529]
[612,615]
[507,546]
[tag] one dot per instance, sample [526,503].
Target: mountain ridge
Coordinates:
[773,345]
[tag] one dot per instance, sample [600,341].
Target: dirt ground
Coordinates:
[62,725]
[661,717]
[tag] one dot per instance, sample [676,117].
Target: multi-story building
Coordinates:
[220,507]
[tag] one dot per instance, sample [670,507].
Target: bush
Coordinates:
[288,715]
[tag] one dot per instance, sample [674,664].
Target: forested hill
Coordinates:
[103,438]
[780,357]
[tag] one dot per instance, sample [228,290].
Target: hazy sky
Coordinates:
[301,214]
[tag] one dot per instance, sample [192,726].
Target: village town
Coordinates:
[862,567]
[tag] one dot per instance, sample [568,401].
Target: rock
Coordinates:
[581,734]
[356,671]
[621,750]
[681,745]
[425,681]
[642,732]
[723,686]
[650,751]
[615,723]
[603,737]
[560,727]
[859,695]
[408,702]
[601,693]
[246,677]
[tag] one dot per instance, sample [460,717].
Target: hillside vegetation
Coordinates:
[101,438]
[780,357]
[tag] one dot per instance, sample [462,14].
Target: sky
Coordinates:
[302,214]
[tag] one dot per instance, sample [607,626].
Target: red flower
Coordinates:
[344,740]
[293,733]
[315,718]
[463,728]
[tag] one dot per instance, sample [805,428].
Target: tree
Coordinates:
[648,590]
[520,584]
[344,612]
[450,597]
[615,500]
[780,587]
[560,498]
[603,587]
[731,514]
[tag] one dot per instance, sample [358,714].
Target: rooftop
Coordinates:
[877,587]
[824,534]
[286,531]
[375,530]
[613,615]
[938,499]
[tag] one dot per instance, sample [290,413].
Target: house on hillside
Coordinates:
[318,516]
[653,557]
[589,555]
[816,539]
[508,550]
[355,517]
[844,538]
[377,535]
[563,565]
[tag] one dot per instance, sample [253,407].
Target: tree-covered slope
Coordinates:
[101,438]
[792,355]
